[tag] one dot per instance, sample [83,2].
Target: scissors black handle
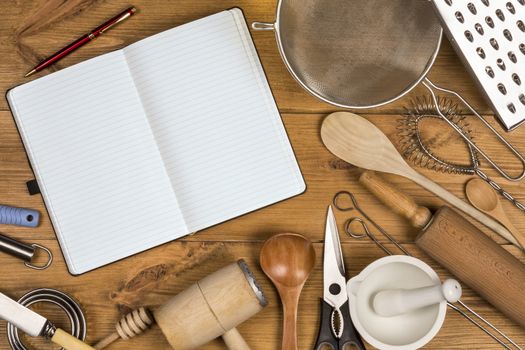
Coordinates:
[326,338]
[349,339]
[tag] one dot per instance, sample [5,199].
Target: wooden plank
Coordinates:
[324,174]
[33,30]
[152,278]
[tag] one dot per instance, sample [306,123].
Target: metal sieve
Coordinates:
[363,54]
[356,54]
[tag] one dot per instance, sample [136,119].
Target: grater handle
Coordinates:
[431,86]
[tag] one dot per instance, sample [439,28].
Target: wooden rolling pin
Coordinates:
[469,254]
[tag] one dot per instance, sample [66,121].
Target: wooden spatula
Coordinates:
[359,142]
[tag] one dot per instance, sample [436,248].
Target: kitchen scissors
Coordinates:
[337,332]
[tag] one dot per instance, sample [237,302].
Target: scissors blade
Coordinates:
[333,267]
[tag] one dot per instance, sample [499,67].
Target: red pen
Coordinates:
[82,40]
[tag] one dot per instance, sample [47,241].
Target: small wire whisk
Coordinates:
[416,149]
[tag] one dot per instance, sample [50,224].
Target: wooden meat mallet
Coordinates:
[460,247]
[210,308]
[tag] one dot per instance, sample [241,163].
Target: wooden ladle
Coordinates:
[287,259]
[359,142]
[481,195]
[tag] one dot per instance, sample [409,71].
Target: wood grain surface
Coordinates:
[32,29]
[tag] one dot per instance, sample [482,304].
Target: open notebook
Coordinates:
[166,137]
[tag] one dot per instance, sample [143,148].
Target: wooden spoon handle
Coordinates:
[461,205]
[520,237]
[290,300]
[396,200]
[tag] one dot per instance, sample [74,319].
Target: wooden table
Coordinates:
[31,30]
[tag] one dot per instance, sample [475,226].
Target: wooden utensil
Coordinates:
[208,309]
[481,195]
[474,258]
[359,142]
[287,259]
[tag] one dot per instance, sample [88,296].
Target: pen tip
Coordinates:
[31,72]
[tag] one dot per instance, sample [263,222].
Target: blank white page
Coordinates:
[97,163]
[214,118]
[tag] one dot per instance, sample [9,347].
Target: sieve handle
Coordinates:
[263,26]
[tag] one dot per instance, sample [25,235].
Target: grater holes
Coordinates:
[512,57]
[459,17]
[501,64]
[449,2]
[507,34]
[511,107]
[479,29]
[494,43]
[522,2]
[472,8]
[469,36]
[489,71]
[522,99]
[516,79]
[500,15]
[485,2]
[521,25]
[510,7]
[489,21]
[502,89]
[481,52]
[522,48]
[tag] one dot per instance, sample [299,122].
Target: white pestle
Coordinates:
[395,302]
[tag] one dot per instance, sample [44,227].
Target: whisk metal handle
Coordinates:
[431,86]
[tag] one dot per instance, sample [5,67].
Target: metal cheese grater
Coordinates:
[489,36]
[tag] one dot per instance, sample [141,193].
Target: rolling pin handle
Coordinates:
[398,201]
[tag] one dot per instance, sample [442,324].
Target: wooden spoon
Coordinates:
[481,195]
[359,142]
[287,259]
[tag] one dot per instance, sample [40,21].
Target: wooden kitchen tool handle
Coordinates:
[396,200]
[290,301]
[234,340]
[69,342]
[478,261]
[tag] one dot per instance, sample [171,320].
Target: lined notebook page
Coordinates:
[98,166]
[214,119]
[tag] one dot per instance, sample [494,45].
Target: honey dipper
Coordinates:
[129,326]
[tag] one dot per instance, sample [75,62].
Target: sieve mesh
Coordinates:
[358,53]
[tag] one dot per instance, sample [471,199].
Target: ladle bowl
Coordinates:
[287,259]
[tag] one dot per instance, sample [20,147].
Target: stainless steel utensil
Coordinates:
[489,36]
[25,252]
[363,54]
[337,330]
[356,54]
[416,149]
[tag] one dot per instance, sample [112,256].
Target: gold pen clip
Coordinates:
[119,20]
